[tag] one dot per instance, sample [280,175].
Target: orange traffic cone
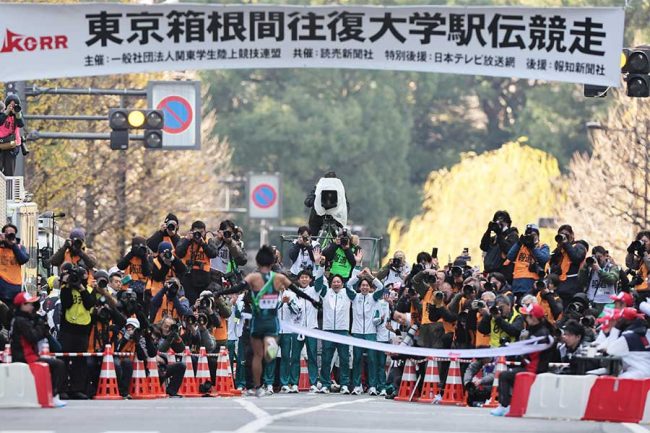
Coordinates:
[225,387]
[303,381]
[156,390]
[498,369]
[107,386]
[190,386]
[139,386]
[202,369]
[6,357]
[407,387]
[431,380]
[454,394]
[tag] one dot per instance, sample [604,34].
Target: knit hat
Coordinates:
[100,274]
[164,246]
[78,233]
[171,217]
[133,322]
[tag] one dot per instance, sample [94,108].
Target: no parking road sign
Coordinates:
[264,196]
[180,102]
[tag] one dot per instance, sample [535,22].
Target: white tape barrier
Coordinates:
[518,348]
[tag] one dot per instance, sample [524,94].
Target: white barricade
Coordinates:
[559,396]
[17,386]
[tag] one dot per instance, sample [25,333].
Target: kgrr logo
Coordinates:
[14,42]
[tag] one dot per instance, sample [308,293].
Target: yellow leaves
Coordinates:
[459,202]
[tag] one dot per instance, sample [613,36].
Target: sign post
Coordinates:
[180,102]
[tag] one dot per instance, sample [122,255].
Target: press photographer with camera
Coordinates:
[136,264]
[565,262]
[129,339]
[437,322]
[529,257]
[228,244]
[638,259]
[168,232]
[169,370]
[496,242]
[501,321]
[396,270]
[164,265]
[218,310]
[342,255]
[599,278]
[170,302]
[196,253]
[77,301]
[460,309]
[74,251]
[12,257]
[544,292]
[301,252]
[11,120]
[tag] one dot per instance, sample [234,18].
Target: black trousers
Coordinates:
[124,373]
[57,373]
[8,162]
[174,373]
[77,367]
[507,384]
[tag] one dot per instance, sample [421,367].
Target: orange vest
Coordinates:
[547,309]
[166,309]
[128,347]
[481,340]
[643,271]
[523,260]
[195,253]
[91,340]
[135,269]
[221,333]
[428,299]
[9,267]
[155,286]
[565,265]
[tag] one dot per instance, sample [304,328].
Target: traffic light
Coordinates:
[121,120]
[637,67]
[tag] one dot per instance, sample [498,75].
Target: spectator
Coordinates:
[12,257]
[136,265]
[11,120]
[397,270]
[168,232]
[27,331]
[529,258]
[342,255]
[309,320]
[169,370]
[301,252]
[497,283]
[196,253]
[170,302]
[74,251]
[501,321]
[632,344]
[573,335]
[424,261]
[638,259]
[164,265]
[291,313]
[565,262]
[496,242]
[599,276]
[382,321]
[229,248]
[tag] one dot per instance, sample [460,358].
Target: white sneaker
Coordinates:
[373,391]
[269,389]
[285,389]
[57,402]
[319,385]
[294,389]
[313,389]
[437,398]
[240,388]
[382,393]
[250,392]
[325,390]
[357,390]
[261,392]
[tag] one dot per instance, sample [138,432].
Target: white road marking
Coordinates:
[635,428]
[257,412]
[26,431]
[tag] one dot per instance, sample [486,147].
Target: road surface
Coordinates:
[286,413]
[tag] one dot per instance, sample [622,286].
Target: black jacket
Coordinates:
[27,330]
[158,236]
[503,242]
[160,273]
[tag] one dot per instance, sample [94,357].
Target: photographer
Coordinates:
[501,321]
[546,297]
[129,339]
[170,302]
[496,242]
[168,232]
[217,310]
[77,302]
[164,265]
[27,330]
[327,198]
[11,120]
[565,262]
[529,258]
[136,264]
[397,270]
[479,308]
[169,370]
[497,283]
[342,255]
[74,251]
[461,309]
[12,257]
[436,323]
[301,252]
[599,276]
[229,247]
[423,261]
[638,259]
[196,254]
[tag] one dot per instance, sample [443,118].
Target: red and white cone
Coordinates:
[454,394]
[107,386]
[430,387]
[156,389]
[190,386]
[303,380]
[139,386]
[202,368]
[498,369]
[407,386]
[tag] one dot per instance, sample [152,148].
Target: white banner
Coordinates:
[581,45]
[518,348]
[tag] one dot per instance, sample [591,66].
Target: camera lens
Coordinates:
[197,235]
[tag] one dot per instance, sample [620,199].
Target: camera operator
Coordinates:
[432,332]
[423,261]
[466,320]
[164,265]
[12,257]
[479,308]
[74,251]
[136,264]
[229,247]
[638,259]
[170,370]
[496,242]
[547,298]
[11,120]
[196,254]
[565,262]
[397,270]
[501,321]
[301,252]
[170,302]
[129,339]
[327,198]
[529,258]
[77,302]
[168,232]
[457,273]
[217,310]
[599,276]
[27,330]
[342,255]
[497,283]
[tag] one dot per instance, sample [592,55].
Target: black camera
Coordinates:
[174,329]
[172,289]
[139,250]
[478,304]
[102,283]
[494,227]
[540,284]
[171,225]
[233,278]
[488,286]
[430,279]
[535,268]
[396,264]
[103,314]
[438,296]
[329,199]
[205,302]
[637,248]
[636,278]
[527,240]
[75,276]
[590,261]
[588,321]
[227,234]
[77,244]
[129,301]
[197,235]
[202,319]
[10,237]
[561,238]
[190,319]
[495,310]
[167,255]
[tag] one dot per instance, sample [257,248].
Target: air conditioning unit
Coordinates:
[15,188]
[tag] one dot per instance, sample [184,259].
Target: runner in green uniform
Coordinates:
[264,292]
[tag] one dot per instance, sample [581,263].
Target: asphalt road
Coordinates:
[281,413]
